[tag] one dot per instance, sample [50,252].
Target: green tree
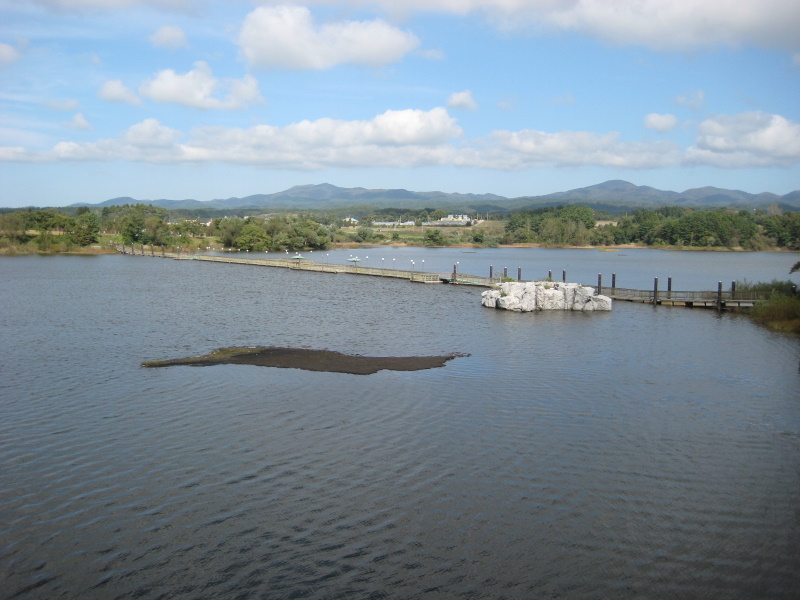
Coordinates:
[85,229]
[14,227]
[228,230]
[253,238]
[131,227]
[362,235]
[434,237]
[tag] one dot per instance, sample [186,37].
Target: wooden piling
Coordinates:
[655,291]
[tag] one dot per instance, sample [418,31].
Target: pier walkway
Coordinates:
[719,299]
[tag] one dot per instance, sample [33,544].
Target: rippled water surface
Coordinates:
[648,452]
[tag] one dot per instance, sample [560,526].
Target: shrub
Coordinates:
[780,312]
[787,288]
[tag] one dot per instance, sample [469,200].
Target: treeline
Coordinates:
[145,224]
[552,226]
[54,231]
[667,226]
[48,230]
[273,234]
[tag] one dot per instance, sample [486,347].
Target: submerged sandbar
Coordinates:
[310,360]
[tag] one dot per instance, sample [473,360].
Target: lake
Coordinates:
[646,452]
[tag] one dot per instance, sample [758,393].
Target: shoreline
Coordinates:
[95,250]
[605,247]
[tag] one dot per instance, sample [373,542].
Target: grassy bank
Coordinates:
[782,311]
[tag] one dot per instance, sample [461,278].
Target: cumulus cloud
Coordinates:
[197,87]
[747,139]
[393,138]
[694,100]
[78,122]
[530,148]
[462,100]
[151,134]
[82,5]
[8,54]
[169,36]
[673,25]
[286,36]
[116,91]
[660,123]
[414,138]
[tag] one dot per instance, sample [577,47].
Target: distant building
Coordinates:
[351,221]
[393,224]
[451,221]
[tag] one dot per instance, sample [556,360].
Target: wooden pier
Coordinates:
[719,299]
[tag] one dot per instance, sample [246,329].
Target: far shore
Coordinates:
[109,249]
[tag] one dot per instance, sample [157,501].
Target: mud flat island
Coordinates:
[309,360]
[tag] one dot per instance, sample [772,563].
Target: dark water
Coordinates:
[645,453]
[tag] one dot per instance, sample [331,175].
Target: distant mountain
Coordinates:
[610,195]
[614,190]
[618,193]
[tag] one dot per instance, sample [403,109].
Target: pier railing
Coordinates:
[719,298]
[675,295]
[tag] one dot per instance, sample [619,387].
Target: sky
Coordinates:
[211,99]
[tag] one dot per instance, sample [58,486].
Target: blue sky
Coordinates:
[212,99]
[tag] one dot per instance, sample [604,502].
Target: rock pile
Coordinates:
[544,295]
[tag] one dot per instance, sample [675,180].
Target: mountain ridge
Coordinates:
[612,192]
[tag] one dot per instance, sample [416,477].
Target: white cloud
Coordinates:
[659,24]
[462,100]
[151,134]
[413,138]
[660,123]
[8,54]
[694,100]
[169,36]
[286,36]
[78,122]
[70,104]
[81,5]
[530,148]
[116,91]
[196,88]
[747,139]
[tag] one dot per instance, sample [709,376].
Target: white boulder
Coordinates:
[544,295]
